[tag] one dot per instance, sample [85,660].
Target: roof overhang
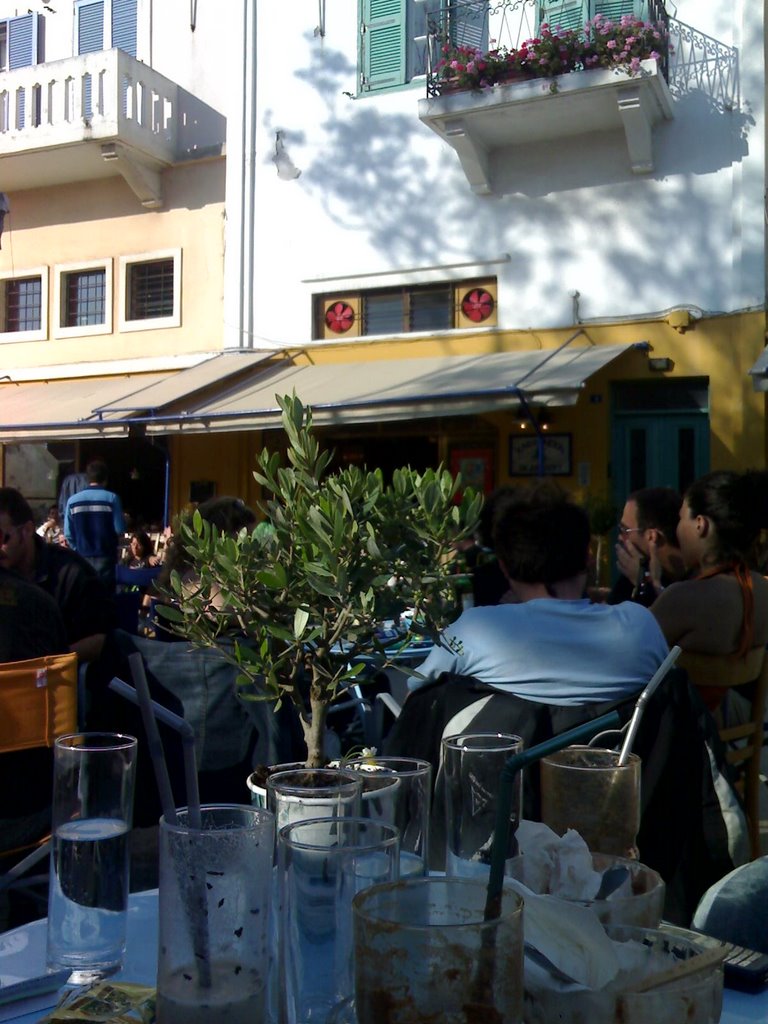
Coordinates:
[759,372]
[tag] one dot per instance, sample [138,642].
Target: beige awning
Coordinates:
[398,389]
[84,407]
[46,410]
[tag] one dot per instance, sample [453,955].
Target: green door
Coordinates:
[660,435]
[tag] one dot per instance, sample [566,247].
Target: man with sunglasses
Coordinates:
[648,537]
[85,604]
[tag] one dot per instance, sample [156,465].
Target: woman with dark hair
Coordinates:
[722,608]
[140,553]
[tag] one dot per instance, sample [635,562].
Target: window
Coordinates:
[83,299]
[421,308]
[150,288]
[394,36]
[24,305]
[106,25]
[19,39]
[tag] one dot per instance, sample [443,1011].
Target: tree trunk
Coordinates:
[314,730]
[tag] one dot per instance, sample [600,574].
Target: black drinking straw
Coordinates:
[152,712]
[515,764]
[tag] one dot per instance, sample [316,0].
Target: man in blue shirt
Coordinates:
[93,521]
[548,643]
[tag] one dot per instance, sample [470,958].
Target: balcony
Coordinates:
[93,116]
[477,124]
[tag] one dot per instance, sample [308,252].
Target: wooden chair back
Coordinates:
[745,741]
[38,701]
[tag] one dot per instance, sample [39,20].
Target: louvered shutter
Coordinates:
[383,43]
[565,14]
[22,41]
[469,24]
[613,9]
[124,25]
[90,39]
[22,53]
[90,27]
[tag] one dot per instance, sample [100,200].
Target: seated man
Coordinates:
[30,623]
[648,534]
[85,604]
[553,646]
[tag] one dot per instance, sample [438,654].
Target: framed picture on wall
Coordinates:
[524,455]
[475,466]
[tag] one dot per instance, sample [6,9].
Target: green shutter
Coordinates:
[613,9]
[469,24]
[383,43]
[567,14]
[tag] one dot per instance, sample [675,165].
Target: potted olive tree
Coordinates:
[296,603]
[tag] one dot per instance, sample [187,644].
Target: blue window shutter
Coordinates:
[90,27]
[124,25]
[383,43]
[565,14]
[22,41]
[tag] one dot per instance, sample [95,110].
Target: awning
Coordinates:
[759,372]
[43,410]
[398,389]
[87,407]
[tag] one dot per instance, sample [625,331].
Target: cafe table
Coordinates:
[22,956]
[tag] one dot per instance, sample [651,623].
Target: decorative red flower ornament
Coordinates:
[477,305]
[339,317]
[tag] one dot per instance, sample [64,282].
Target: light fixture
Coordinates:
[286,168]
[661,364]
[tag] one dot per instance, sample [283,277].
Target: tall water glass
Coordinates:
[472,766]
[322,864]
[214,906]
[93,785]
[313,793]
[398,790]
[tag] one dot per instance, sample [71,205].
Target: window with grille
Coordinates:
[150,291]
[23,304]
[84,298]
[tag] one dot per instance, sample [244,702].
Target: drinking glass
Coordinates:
[93,785]
[424,952]
[472,766]
[584,788]
[398,790]
[214,906]
[313,793]
[322,864]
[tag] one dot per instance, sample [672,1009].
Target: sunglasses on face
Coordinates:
[6,536]
[624,531]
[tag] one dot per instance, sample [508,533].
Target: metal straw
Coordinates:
[642,700]
[515,764]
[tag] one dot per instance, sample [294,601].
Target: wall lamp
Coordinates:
[662,364]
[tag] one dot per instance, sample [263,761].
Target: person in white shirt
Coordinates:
[552,645]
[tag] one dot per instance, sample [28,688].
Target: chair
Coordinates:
[38,702]
[744,742]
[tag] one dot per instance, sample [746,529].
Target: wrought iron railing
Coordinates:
[506,24]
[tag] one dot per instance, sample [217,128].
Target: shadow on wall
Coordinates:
[381,175]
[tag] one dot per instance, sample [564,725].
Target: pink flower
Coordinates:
[634,64]
[611,44]
[654,55]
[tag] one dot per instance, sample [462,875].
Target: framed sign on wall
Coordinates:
[524,455]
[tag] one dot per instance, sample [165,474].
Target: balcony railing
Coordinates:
[105,95]
[487,25]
